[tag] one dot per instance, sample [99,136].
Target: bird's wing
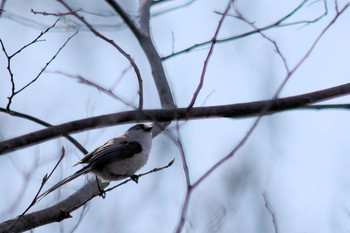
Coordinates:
[99,149]
[109,153]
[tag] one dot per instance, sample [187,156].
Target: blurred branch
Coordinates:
[240,16]
[241,110]
[2,6]
[269,105]
[278,23]
[63,209]
[44,123]
[115,45]
[180,6]
[179,144]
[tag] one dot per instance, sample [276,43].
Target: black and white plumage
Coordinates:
[118,158]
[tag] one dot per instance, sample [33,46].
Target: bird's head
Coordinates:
[139,131]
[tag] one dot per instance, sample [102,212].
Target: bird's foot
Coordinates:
[102,192]
[135,178]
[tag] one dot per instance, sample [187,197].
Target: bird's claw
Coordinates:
[102,194]
[135,178]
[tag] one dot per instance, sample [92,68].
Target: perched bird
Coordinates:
[117,159]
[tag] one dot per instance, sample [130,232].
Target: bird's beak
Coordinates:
[148,127]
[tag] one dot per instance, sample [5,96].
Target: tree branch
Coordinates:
[278,23]
[151,53]
[44,123]
[115,45]
[241,110]
[210,52]
[63,209]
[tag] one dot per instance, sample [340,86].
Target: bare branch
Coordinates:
[63,209]
[54,14]
[278,23]
[110,41]
[206,61]
[47,64]
[87,82]
[129,22]
[35,199]
[153,57]
[178,143]
[271,212]
[154,170]
[240,16]
[270,104]
[182,5]
[41,122]
[9,57]
[57,212]
[2,6]
[165,115]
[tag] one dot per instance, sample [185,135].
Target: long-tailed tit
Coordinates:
[117,159]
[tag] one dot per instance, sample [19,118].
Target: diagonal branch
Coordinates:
[63,209]
[210,52]
[131,24]
[151,53]
[115,45]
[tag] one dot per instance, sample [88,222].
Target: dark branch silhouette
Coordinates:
[164,115]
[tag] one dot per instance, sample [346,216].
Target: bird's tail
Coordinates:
[64,181]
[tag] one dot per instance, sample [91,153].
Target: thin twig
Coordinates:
[140,175]
[178,143]
[9,57]
[44,123]
[54,14]
[87,82]
[35,199]
[267,107]
[271,212]
[210,52]
[278,23]
[48,63]
[115,45]
[251,130]
[240,16]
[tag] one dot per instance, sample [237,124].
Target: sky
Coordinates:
[298,160]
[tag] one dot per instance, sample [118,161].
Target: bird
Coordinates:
[117,159]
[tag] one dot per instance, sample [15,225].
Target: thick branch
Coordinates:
[151,53]
[63,209]
[41,122]
[165,115]
[55,213]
